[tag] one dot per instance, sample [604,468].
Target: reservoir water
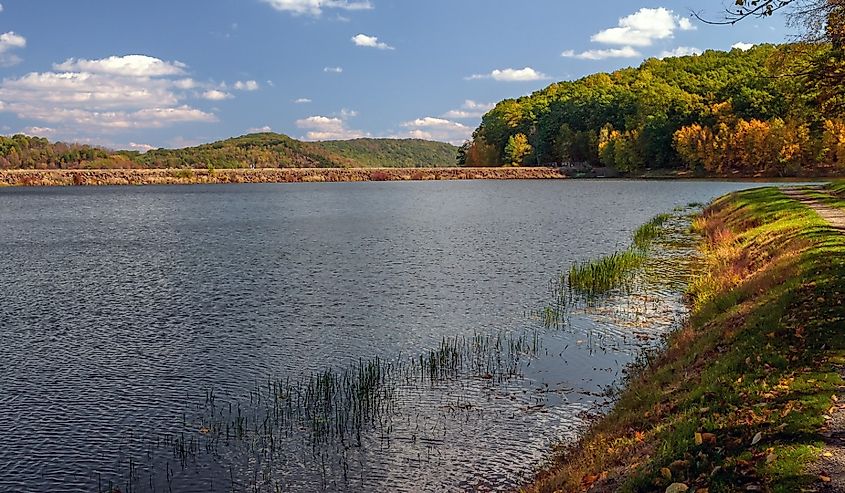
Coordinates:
[137,324]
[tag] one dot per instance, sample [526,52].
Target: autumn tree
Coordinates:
[517,149]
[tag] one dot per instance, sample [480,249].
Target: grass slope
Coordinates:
[736,399]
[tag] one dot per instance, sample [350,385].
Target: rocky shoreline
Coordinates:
[99,177]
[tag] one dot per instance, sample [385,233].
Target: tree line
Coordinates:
[264,150]
[759,111]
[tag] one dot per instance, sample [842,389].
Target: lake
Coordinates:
[137,322]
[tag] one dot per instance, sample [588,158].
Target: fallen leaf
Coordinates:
[824,479]
[677,488]
[757,438]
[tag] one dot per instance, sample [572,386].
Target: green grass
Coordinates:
[594,279]
[599,277]
[758,355]
[645,235]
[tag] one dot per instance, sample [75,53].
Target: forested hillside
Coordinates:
[265,150]
[750,112]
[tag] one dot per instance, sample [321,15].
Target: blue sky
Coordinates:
[180,72]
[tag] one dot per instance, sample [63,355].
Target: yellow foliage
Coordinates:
[747,146]
[833,141]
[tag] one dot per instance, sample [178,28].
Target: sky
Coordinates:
[142,75]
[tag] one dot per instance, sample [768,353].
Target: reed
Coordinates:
[646,234]
[599,277]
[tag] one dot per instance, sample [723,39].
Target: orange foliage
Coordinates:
[773,147]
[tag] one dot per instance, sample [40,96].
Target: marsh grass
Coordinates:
[329,411]
[591,282]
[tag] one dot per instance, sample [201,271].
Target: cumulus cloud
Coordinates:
[370,42]
[260,130]
[328,128]
[440,129]
[316,7]
[526,74]
[742,46]
[185,84]
[470,109]
[247,85]
[624,52]
[10,41]
[644,27]
[215,95]
[38,131]
[141,147]
[333,70]
[681,51]
[127,66]
[109,94]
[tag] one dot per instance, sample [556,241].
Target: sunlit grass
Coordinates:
[757,357]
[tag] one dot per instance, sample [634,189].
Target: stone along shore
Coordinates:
[266,175]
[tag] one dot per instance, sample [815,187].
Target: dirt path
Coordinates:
[834,215]
[830,468]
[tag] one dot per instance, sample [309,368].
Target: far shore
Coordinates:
[41,178]
[188,176]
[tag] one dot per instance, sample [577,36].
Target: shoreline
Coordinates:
[190,176]
[741,397]
[187,176]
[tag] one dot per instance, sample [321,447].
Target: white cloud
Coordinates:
[127,66]
[328,128]
[370,42]
[742,46]
[84,90]
[644,27]
[526,74]
[10,41]
[141,147]
[247,85]
[686,25]
[681,51]
[430,128]
[215,95]
[302,101]
[470,109]
[1,7]
[185,83]
[347,113]
[260,130]
[316,7]
[106,95]
[624,52]
[38,131]
[333,70]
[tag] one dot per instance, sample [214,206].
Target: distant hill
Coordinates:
[262,150]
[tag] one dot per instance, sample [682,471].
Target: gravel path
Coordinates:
[830,468]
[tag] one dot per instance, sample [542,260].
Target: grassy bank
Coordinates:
[736,400]
[268,175]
